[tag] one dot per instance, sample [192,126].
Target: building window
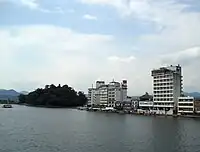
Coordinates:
[185,109]
[185,104]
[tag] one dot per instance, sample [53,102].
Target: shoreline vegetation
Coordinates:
[54,97]
[46,106]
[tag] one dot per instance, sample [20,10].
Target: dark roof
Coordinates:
[101,86]
[146,96]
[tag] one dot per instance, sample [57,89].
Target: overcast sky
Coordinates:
[77,42]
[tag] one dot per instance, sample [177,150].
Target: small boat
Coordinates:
[7,106]
[82,108]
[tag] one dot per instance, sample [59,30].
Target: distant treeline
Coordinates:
[51,95]
[7,101]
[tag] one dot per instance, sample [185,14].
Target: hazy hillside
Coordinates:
[9,94]
[193,94]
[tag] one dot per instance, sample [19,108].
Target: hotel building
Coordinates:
[167,87]
[107,94]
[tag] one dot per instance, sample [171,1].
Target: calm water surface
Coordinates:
[28,129]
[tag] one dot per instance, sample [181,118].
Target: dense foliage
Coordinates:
[7,102]
[51,95]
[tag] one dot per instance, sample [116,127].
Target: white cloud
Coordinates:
[185,57]
[89,17]
[190,61]
[176,28]
[32,4]
[44,54]
[143,9]
[62,55]
[35,5]
[120,59]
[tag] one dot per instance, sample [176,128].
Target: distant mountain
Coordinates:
[193,94]
[24,92]
[9,94]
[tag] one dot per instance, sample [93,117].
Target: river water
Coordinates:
[29,129]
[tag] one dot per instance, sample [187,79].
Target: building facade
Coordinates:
[186,105]
[91,96]
[167,87]
[146,102]
[197,106]
[108,94]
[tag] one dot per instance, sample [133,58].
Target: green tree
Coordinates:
[62,96]
[22,98]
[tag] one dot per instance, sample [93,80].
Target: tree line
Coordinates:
[7,101]
[51,95]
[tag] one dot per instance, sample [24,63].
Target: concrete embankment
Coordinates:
[141,114]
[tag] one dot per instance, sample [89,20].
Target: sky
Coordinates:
[77,42]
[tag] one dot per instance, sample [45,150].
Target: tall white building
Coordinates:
[124,90]
[108,94]
[167,87]
[91,96]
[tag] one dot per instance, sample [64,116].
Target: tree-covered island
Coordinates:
[54,96]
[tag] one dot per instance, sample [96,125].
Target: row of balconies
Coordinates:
[111,102]
[162,80]
[162,95]
[155,102]
[185,109]
[163,84]
[163,76]
[163,106]
[111,96]
[163,99]
[163,92]
[186,100]
[163,88]
[185,104]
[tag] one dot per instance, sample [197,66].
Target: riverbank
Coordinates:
[47,106]
[131,112]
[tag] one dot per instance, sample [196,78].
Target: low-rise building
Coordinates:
[197,106]
[186,105]
[146,102]
[127,105]
[130,104]
[146,105]
[135,102]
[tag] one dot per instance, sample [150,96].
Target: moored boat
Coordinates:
[7,106]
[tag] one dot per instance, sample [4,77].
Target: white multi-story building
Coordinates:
[124,90]
[186,105]
[107,94]
[114,93]
[167,87]
[91,96]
